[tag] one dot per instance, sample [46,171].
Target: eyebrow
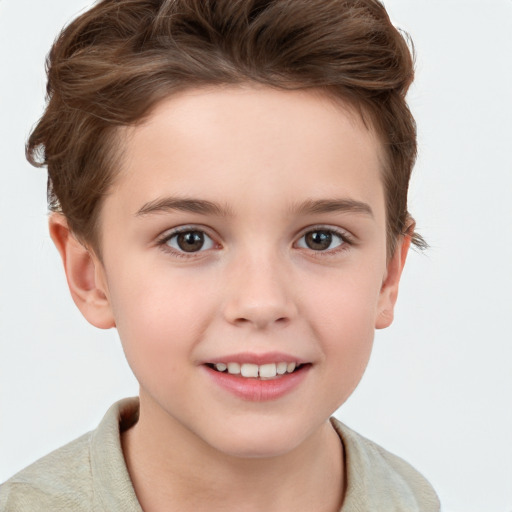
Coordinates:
[169,204]
[332,206]
[204,207]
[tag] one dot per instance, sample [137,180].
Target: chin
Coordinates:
[259,439]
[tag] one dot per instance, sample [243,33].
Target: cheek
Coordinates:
[347,303]
[348,332]
[344,318]
[160,318]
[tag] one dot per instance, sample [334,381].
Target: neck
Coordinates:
[172,469]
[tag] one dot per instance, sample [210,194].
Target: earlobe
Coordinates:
[84,273]
[389,290]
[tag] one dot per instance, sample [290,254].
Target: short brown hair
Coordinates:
[112,64]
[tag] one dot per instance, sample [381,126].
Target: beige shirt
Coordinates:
[90,474]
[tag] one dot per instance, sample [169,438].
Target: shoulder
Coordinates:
[58,481]
[88,474]
[376,476]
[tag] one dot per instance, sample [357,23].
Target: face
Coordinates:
[246,233]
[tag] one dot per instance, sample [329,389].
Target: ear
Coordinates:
[85,274]
[389,290]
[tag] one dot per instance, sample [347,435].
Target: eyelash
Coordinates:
[346,241]
[163,241]
[346,238]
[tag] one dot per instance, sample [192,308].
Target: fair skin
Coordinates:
[282,258]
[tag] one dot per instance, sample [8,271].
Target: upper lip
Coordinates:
[254,358]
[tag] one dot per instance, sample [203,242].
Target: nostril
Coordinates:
[259,312]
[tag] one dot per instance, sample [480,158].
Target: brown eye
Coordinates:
[190,241]
[321,240]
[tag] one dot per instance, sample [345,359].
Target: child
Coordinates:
[228,182]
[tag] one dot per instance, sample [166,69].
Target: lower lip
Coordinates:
[257,390]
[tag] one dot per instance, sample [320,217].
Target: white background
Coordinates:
[438,390]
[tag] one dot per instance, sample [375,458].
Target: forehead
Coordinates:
[234,143]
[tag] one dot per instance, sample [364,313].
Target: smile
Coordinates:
[263,372]
[257,382]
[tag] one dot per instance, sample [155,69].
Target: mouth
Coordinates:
[258,377]
[268,371]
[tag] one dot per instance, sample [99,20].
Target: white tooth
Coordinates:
[234,368]
[221,367]
[290,367]
[249,370]
[281,368]
[268,370]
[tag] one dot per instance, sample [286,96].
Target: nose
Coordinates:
[259,294]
